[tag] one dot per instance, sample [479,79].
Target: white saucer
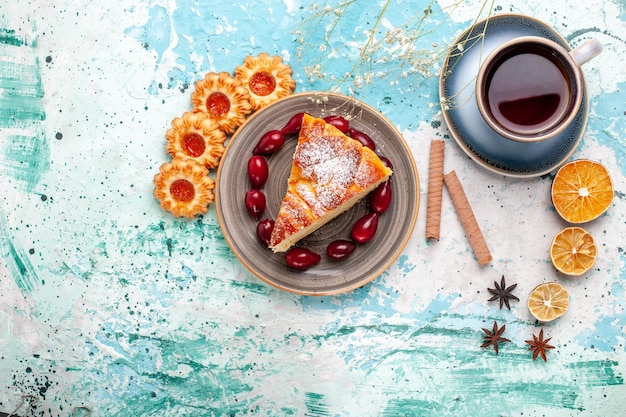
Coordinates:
[471,132]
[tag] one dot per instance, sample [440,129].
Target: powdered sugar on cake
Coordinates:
[330,168]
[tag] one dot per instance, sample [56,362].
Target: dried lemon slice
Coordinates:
[582,190]
[573,251]
[548,301]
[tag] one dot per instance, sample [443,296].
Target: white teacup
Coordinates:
[531,88]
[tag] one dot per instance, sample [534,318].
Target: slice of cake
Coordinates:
[331,172]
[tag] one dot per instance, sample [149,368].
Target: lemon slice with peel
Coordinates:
[573,251]
[548,301]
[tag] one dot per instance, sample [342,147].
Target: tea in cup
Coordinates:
[531,88]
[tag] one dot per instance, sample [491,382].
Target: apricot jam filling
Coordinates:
[193,144]
[218,105]
[182,190]
[262,83]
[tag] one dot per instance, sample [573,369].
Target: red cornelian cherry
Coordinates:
[363,138]
[302,258]
[264,231]
[380,198]
[269,143]
[294,124]
[255,203]
[365,228]
[339,122]
[257,171]
[340,249]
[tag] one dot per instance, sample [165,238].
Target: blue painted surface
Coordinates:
[107,301]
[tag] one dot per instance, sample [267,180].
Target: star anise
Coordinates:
[494,337]
[539,345]
[503,293]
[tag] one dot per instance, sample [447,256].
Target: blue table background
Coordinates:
[108,302]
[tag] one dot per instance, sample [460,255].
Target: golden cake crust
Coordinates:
[329,174]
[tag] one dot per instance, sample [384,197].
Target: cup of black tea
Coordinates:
[530,88]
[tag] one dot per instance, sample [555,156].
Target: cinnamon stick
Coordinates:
[466,215]
[435,189]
